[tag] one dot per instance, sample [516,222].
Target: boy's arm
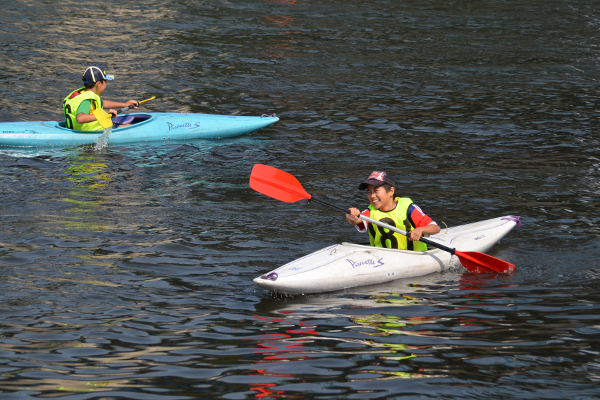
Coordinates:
[424,225]
[116,104]
[84,112]
[353,219]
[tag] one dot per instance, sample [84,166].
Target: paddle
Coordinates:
[139,104]
[285,187]
[105,119]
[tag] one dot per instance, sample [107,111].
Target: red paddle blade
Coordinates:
[481,263]
[277,184]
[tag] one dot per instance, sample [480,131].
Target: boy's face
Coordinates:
[101,85]
[380,198]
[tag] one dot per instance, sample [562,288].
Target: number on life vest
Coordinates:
[68,122]
[386,234]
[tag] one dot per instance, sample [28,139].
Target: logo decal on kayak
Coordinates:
[370,262]
[479,237]
[186,125]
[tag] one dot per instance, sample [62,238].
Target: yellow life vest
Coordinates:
[381,237]
[71,104]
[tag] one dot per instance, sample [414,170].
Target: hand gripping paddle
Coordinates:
[105,119]
[285,187]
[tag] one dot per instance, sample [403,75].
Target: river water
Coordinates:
[127,272]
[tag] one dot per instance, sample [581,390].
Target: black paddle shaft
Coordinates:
[384,225]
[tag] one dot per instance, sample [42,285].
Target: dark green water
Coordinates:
[127,273]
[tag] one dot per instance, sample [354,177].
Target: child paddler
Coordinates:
[79,105]
[400,212]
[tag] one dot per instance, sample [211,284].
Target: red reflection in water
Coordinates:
[274,349]
[286,47]
[264,391]
[282,20]
[480,292]
[479,281]
[286,351]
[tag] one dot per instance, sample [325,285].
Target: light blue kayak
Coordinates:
[145,127]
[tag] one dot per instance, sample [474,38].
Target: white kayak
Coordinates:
[347,265]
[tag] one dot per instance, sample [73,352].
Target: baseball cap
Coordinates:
[377,178]
[96,73]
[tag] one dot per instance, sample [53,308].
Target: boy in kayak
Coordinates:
[80,104]
[400,212]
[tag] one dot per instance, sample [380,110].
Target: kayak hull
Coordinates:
[153,127]
[347,265]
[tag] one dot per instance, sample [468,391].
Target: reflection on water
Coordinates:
[88,175]
[365,339]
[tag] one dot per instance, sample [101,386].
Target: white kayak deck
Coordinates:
[346,265]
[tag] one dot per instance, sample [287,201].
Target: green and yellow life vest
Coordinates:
[72,102]
[381,237]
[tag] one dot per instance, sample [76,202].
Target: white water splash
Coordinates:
[102,141]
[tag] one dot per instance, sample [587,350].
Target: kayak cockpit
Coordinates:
[129,119]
